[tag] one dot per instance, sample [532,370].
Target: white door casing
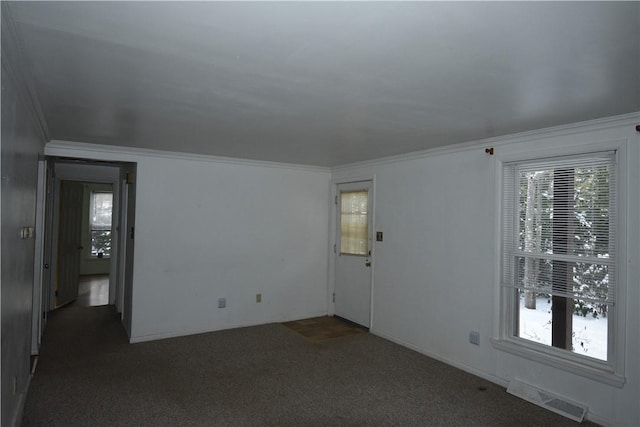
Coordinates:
[353,262]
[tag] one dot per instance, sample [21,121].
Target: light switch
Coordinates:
[26,233]
[378,236]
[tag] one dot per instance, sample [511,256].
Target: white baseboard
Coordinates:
[175,334]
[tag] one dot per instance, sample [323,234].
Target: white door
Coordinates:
[353,252]
[39,269]
[69,242]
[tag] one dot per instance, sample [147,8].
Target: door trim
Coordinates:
[333,230]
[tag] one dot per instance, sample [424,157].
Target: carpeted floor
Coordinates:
[88,375]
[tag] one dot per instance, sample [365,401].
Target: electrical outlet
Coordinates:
[222,302]
[258,297]
[474,337]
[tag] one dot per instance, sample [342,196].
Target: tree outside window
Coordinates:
[562,265]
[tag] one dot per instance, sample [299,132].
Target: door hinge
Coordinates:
[334,297]
[335,200]
[334,249]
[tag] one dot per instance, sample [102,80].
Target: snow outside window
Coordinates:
[559,260]
[100,210]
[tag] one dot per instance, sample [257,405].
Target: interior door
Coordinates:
[39,269]
[127,307]
[69,242]
[123,234]
[353,252]
[48,239]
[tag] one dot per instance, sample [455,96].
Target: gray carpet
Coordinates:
[88,375]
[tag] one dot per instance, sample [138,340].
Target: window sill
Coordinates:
[604,375]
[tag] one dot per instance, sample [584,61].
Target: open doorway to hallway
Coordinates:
[84,257]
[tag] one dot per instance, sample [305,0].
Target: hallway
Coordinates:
[93,290]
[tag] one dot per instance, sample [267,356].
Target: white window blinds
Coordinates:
[100,213]
[100,217]
[354,223]
[559,227]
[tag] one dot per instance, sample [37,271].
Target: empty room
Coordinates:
[320,213]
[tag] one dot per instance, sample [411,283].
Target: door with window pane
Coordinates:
[353,252]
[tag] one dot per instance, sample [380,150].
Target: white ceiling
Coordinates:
[324,83]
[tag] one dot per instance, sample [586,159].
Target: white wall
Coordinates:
[22,143]
[436,272]
[209,228]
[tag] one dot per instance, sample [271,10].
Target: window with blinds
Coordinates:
[354,223]
[100,211]
[559,250]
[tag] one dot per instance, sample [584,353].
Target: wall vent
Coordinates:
[547,400]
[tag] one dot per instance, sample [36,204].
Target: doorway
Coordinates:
[353,254]
[85,255]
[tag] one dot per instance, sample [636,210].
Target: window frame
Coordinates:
[611,371]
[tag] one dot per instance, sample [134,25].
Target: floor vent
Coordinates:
[550,401]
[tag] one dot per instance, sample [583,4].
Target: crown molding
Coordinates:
[85,150]
[630,119]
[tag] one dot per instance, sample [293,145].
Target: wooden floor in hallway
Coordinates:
[93,290]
